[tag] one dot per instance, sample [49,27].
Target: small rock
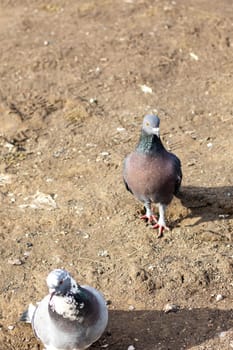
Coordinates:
[219,297]
[131,308]
[12,197]
[120,129]
[151,267]
[103,253]
[90,145]
[83,234]
[104,154]
[26,254]
[5,179]
[93,100]
[222,334]
[191,163]
[171,308]
[15,261]
[11,328]
[58,153]
[146,89]
[40,201]
[193,56]
[131,347]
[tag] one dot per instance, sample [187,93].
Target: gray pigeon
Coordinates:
[70,317]
[151,173]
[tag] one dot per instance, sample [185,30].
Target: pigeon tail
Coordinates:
[27,315]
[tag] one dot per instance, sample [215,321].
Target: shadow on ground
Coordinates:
[207,203]
[148,330]
[144,329]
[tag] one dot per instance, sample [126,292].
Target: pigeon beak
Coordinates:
[52,291]
[51,294]
[155,131]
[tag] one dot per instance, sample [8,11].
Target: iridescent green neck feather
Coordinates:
[149,144]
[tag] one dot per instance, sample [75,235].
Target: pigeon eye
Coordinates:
[147,123]
[60,282]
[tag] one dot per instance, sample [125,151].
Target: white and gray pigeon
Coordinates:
[151,173]
[70,317]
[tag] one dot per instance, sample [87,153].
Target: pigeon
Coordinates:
[151,173]
[70,317]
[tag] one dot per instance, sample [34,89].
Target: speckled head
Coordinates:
[60,282]
[150,124]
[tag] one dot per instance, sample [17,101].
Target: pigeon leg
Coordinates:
[149,213]
[161,225]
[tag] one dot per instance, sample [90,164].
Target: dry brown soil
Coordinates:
[71,107]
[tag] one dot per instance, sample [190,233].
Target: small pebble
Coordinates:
[5,179]
[191,163]
[170,308]
[146,89]
[93,100]
[104,154]
[219,297]
[222,334]
[131,347]
[10,328]
[103,253]
[131,308]
[15,261]
[83,234]
[151,267]
[26,254]
[194,56]
[9,145]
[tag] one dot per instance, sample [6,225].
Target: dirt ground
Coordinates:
[77,77]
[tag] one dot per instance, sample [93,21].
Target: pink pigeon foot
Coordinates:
[161,228]
[149,218]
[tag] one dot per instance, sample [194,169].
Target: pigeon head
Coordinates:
[150,124]
[60,282]
[149,141]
